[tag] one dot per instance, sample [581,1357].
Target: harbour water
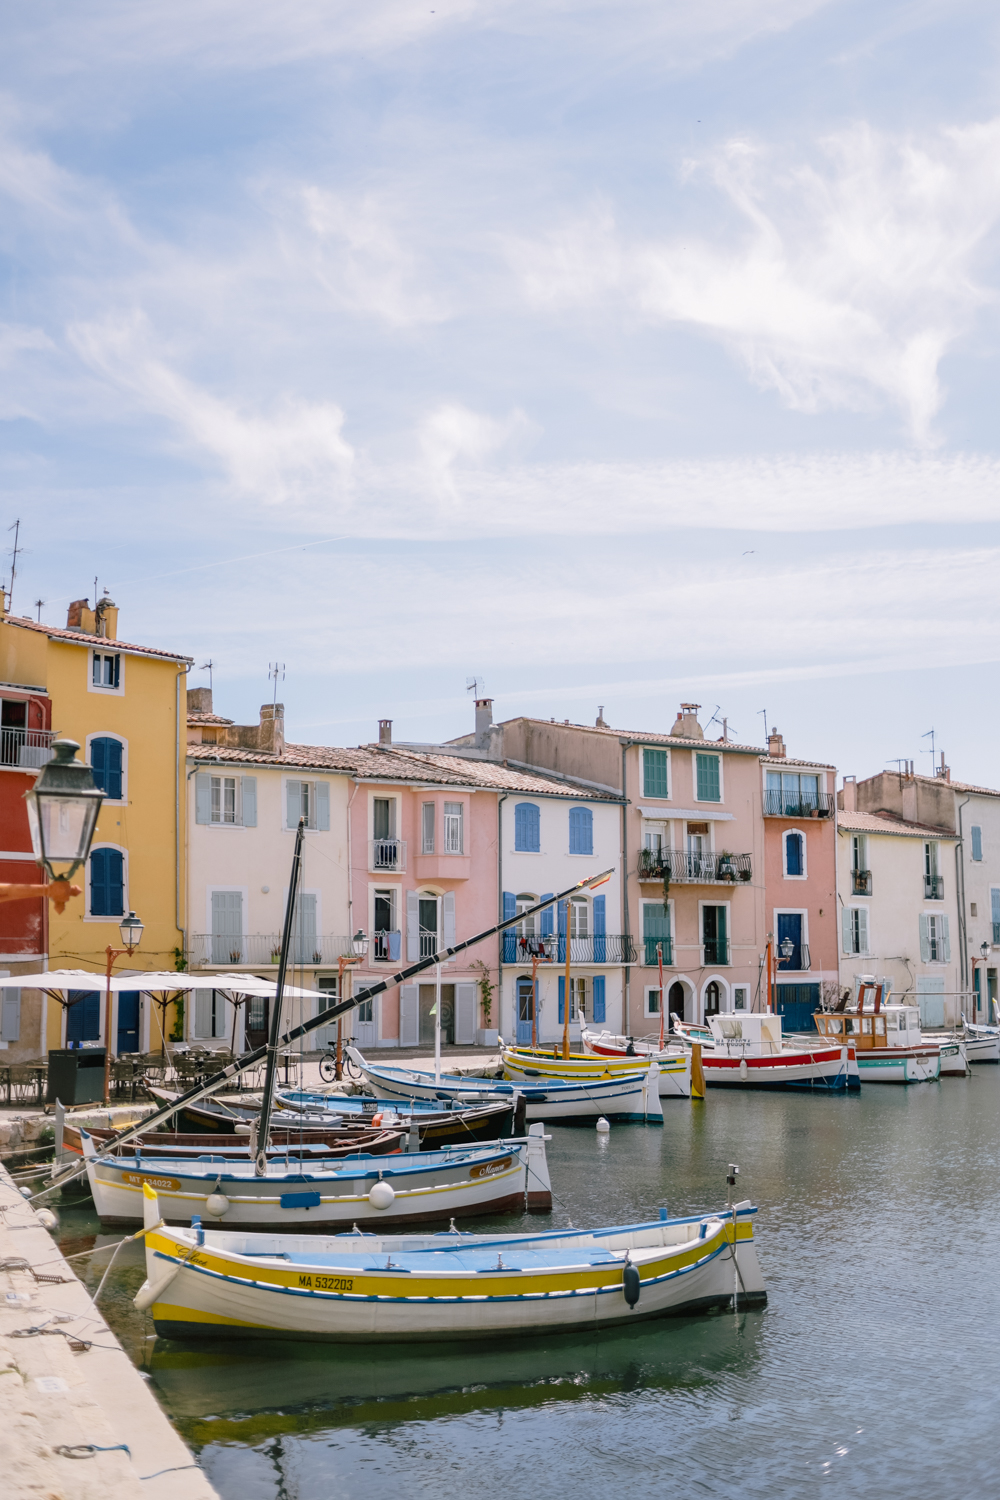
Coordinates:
[873,1369]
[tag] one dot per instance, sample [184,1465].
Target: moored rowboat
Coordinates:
[529,1065]
[362,1288]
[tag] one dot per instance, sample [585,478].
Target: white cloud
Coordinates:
[842,281]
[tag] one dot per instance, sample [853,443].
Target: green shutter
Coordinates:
[709,785]
[654,773]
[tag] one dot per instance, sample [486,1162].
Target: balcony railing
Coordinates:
[716,950]
[798,804]
[25,747]
[602,949]
[386,946]
[387,854]
[649,950]
[933,887]
[255,950]
[861,882]
[684,868]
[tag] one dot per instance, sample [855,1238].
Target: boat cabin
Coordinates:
[749,1035]
[872,1024]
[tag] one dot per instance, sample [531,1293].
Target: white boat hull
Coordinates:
[899,1065]
[817,1067]
[674,1068]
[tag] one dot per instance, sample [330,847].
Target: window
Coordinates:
[107,883]
[224,800]
[453,831]
[388,940]
[428,919]
[309,800]
[106,764]
[577,998]
[227,927]
[528,928]
[795,855]
[210,1015]
[859,852]
[977,842]
[995,912]
[654,1002]
[708,778]
[654,773]
[714,934]
[105,671]
[935,941]
[854,929]
[699,854]
[789,929]
[581,830]
[654,839]
[427,828]
[383,817]
[579,917]
[655,931]
[713,999]
[933,883]
[791,795]
[741,997]
[527,837]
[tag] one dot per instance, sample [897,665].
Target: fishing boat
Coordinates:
[636,1096]
[528,1065]
[505,1177]
[982,1043]
[365,1288]
[887,1038]
[748,1050]
[318,1144]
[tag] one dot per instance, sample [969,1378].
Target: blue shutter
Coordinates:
[107,883]
[581,830]
[598,1006]
[99,763]
[323,806]
[547,926]
[509,937]
[600,930]
[113,771]
[793,853]
[977,842]
[561,915]
[562,998]
[117,662]
[249,801]
[527,828]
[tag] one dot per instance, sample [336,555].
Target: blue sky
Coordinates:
[612,353]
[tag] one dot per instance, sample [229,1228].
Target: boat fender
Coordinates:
[744,1070]
[602,1126]
[152,1291]
[381,1195]
[631,1284]
[216,1204]
[47,1219]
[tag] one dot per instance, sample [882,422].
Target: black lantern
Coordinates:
[62,811]
[985,949]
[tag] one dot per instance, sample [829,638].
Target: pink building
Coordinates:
[800,879]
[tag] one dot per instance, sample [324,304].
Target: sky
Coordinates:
[606,354]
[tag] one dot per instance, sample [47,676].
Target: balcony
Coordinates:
[716,951]
[385,855]
[861,882]
[29,748]
[933,887]
[603,949]
[650,945]
[682,868]
[798,805]
[257,950]
[386,947]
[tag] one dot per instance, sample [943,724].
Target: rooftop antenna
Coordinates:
[276,669]
[764,712]
[16,529]
[930,735]
[38,606]
[207,667]
[475,686]
[899,762]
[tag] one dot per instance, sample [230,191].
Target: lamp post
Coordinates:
[568,996]
[787,948]
[62,809]
[359,948]
[131,930]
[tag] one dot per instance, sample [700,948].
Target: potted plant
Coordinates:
[275,955]
[486,1035]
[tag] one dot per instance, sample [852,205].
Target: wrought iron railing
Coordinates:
[933,887]
[861,882]
[798,804]
[611,948]
[25,747]
[255,950]
[386,946]
[716,950]
[387,854]
[429,944]
[649,953]
[683,867]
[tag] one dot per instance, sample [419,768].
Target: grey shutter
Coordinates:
[412,930]
[293,803]
[863,945]
[202,798]
[227,927]
[465,1014]
[427,824]
[945,940]
[845,926]
[323,806]
[448,910]
[202,1013]
[10,1020]
[249,801]
[409,1015]
[925,941]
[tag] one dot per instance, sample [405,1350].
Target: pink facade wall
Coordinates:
[815,893]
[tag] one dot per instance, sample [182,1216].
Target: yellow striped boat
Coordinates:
[534,1065]
[365,1287]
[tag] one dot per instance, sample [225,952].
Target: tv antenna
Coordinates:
[764,712]
[929,735]
[16,529]
[207,667]
[38,606]
[476,686]
[276,669]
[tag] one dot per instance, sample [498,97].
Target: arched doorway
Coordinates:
[713,998]
[675,999]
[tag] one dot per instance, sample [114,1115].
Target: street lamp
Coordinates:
[131,931]
[985,949]
[359,950]
[62,809]
[787,948]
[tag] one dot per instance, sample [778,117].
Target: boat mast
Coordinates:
[262,1141]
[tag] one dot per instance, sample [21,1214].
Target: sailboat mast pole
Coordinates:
[274,1037]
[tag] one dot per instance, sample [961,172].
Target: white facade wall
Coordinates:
[895,939]
[552,869]
[980,869]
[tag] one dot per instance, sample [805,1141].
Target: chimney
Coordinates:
[271,735]
[848,799]
[80,616]
[599,721]
[385,729]
[199,700]
[775,745]
[686,723]
[484,718]
[944,771]
[107,617]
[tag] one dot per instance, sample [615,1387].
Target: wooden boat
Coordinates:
[528,1065]
[748,1050]
[369,1287]
[422,1186]
[886,1038]
[635,1096]
[982,1043]
[436,1125]
[316,1144]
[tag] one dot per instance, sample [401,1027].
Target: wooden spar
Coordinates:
[261,1138]
[568,997]
[250,1059]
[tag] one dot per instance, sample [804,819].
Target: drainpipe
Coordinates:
[500,802]
[960,891]
[177,809]
[625,925]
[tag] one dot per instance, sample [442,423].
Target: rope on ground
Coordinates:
[87,1450]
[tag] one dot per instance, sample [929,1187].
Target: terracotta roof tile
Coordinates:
[645,737]
[855,822]
[195,718]
[81,638]
[775,760]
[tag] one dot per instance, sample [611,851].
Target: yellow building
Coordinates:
[126,707]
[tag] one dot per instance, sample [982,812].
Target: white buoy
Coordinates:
[216,1204]
[381,1195]
[47,1219]
[744,1070]
[25,1192]
[602,1126]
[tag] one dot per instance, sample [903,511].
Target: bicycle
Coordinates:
[328,1066]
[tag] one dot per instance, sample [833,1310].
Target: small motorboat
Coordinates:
[886,1038]
[437,1122]
[505,1177]
[748,1050]
[210,1283]
[982,1043]
[315,1144]
[530,1064]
